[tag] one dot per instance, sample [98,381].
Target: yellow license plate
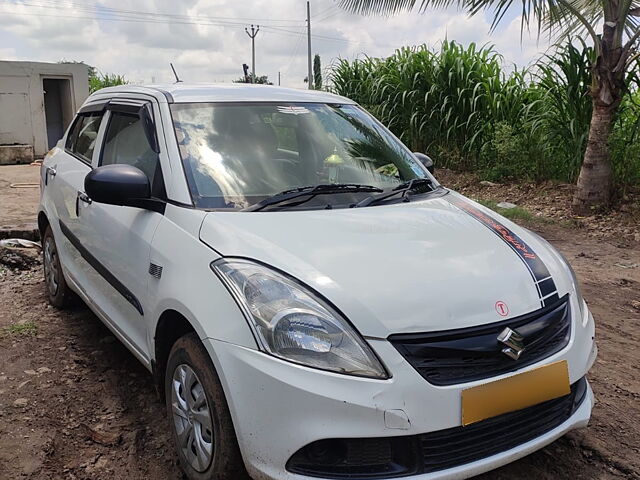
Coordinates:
[515,393]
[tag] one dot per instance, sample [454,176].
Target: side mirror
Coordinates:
[118,185]
[425,160]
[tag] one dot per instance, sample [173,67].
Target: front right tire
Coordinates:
[199,416]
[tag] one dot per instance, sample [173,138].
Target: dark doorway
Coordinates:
[57,107]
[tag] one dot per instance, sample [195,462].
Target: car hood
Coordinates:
[424,265]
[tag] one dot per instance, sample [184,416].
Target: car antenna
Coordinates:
[175,74]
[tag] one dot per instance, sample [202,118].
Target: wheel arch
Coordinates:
[170,327]
[43,223]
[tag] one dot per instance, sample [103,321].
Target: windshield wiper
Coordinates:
[310,192]
[402,189]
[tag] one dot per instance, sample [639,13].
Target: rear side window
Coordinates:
[83,135]
[125,142]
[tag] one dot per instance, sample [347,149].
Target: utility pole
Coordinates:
[252,35]
[310,85]
[278,78]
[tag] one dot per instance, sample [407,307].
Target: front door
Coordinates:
[118,238]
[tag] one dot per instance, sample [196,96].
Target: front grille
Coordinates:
[459,445]
[470,354]
[396,457]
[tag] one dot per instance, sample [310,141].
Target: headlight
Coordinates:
[576,285]
[292,323]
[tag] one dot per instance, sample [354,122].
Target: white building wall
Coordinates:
[22,114]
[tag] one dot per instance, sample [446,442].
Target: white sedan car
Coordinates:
[312,303]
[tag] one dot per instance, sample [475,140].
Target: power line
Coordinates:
[331,15]
[131,16]
[327,13]
[295,51]
[271,29]
[96,8]
[330,7]
[315,35]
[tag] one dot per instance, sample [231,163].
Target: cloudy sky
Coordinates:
[206,41]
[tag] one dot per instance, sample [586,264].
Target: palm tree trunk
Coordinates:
[594,182]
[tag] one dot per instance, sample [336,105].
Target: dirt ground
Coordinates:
[19,193]
[75,404]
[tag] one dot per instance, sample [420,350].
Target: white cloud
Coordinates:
[206,39]
[8,54]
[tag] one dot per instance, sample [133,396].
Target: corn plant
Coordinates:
[459,104]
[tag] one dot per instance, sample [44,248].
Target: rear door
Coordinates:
[117,239]
[64,170]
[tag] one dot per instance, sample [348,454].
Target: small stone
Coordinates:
[30,372]
[23,384]
[487,183]
[20,402]
[43,370]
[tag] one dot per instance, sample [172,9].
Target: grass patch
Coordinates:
[25,329]
[516,213]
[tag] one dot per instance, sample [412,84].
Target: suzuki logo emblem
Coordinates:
[514,343]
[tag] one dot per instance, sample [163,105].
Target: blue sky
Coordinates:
[205,39]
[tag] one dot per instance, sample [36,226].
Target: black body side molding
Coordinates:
[100,268]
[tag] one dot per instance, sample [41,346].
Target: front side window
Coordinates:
[236,155]
[83,135]
[126,143]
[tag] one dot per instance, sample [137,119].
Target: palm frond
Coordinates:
[561,18]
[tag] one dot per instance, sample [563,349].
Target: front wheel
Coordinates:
[199,415]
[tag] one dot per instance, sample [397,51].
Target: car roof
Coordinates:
[228,92]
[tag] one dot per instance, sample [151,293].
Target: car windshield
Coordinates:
[236,155]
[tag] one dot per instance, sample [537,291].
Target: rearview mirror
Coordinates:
[425,160]
[118,185]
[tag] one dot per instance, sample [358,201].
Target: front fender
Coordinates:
[188,285]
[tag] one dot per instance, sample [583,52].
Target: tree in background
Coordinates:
[317,73]
[259,80]
[103,80]
[97,79]
[615,52]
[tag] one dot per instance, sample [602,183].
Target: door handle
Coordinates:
[84,198]
[50,171]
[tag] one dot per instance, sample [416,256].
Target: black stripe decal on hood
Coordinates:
[545,285]
[101,269]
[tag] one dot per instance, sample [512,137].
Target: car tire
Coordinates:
[206,450]
[58,292]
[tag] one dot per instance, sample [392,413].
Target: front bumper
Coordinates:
[278,407]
